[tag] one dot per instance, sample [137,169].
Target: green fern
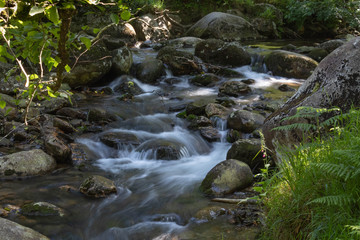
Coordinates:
[342,171]
[298,126]
[338,200]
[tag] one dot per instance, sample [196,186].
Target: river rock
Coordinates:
[215,109]
[63,125]
[100,115]
[195,108]
[150,70]
[210,133]
[114,139]
[289,64]
[219,52]
[331,45]
[94,64]
[318,54]
[184,42]
[161,149]
[151,27]
[26,163]
[118,35]
[126,85]
[247,151]
[41,209]
[205,80]
[56,147]
[122,60]
[265,27]
[223,26]
[227,177]
[245,121]
[199,122]
[71,113]
[179,62]
[233,135]
[233,89]
[335,82]
[97,186]
[10,231]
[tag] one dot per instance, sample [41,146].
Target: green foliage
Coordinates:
[316,193]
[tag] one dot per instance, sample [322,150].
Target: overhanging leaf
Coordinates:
[67,68]
[36,10]
[2,3]
[125,15]
[2,104]
[53,15]
[115,18]
[86,41]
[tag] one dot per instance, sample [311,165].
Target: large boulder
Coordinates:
[289,64]
[223,26]
[179,62]
[151,27]
[219,52]
[26,163]
[245,121]
[150,70]
[122,60]
[97,186]
[92,66]
[247,151]
[227,177]
[331,45]
[10,231]
[335,82]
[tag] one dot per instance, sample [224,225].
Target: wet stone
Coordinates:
[114,139]
[97,187]
[211,134]
[41,209]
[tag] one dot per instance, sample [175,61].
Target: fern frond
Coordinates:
[299,126]
[337,170]
[355,229]
[338,200]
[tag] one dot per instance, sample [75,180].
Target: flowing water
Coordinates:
[154,197]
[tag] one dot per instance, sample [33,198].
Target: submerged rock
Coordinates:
[97,186]
[13,231]
[162,149]
[26,163]
[114,139]
[41,209]
[227,177]
[223,26]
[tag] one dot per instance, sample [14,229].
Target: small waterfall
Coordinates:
[221,125]
[257,63]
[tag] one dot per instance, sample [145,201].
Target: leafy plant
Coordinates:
[316,193]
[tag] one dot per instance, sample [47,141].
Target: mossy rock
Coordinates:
[227,177]
[41,209]
[97,186]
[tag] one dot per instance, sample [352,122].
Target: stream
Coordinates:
[155,197]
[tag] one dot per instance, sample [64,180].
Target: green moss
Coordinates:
[191,117]
[181,114]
